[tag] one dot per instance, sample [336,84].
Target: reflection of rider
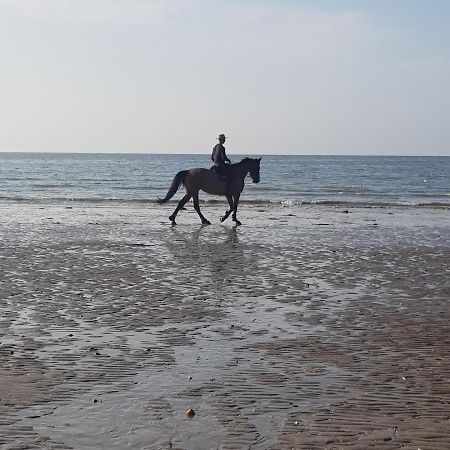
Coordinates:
[220,161]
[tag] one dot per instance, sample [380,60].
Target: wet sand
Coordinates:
[307,327]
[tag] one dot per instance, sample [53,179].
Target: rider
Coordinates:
[221,161]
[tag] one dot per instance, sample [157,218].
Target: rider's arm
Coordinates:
[224,156]
[214,154]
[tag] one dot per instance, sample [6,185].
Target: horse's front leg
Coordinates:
[235,206]
[230,210]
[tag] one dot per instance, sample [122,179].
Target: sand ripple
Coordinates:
[316,330]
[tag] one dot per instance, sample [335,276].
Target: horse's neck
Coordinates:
[240,170]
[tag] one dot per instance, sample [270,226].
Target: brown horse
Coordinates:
[207,180]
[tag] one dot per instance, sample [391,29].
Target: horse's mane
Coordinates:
[242,161]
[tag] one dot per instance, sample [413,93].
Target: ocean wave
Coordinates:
[53,185]
[218,201]
[134,188]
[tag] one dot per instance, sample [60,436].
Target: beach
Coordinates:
[307,327]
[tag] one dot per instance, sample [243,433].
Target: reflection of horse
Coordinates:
[215,257]
[196,180]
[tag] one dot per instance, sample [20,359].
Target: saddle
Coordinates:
[222,177]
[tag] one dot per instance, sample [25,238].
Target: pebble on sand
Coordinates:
[190,413]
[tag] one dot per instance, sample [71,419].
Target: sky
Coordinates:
[277,77]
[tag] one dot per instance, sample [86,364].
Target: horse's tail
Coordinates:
[176,183]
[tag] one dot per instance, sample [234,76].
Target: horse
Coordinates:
[207,180]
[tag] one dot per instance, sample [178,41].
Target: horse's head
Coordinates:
[253,169]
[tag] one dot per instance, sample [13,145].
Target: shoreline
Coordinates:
[208,201]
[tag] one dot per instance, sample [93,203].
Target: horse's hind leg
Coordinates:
[182,202]
[197,208]
[227,213]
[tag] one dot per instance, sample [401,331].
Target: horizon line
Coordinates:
[229,153]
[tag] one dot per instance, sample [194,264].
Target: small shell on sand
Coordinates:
[190,413]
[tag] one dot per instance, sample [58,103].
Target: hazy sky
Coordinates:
[305,77]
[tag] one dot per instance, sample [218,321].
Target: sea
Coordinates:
[94,178]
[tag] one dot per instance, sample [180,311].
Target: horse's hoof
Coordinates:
[206,222]
[237,223]
[222,219]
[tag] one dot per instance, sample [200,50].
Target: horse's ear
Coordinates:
[259,159]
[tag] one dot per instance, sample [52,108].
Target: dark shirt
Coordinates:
[219,156]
